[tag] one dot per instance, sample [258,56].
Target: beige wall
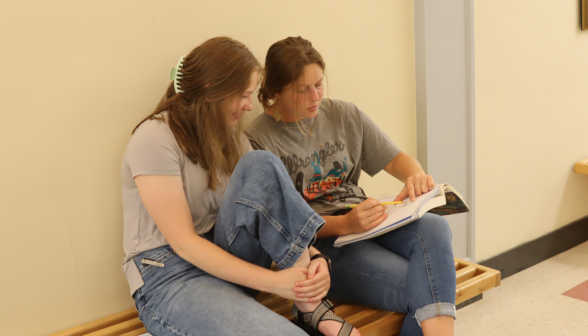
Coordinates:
[77,76]
[531,120]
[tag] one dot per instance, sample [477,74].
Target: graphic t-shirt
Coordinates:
[325,168]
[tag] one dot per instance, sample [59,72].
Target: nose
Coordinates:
[248,104]
[314,96]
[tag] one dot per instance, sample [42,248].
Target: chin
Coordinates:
[310,115]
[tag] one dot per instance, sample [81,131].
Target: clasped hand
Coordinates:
[317,283]
[310,284]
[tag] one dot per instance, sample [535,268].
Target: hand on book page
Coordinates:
[365,216]
[415,186]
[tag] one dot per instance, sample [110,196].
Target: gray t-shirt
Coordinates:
[325,168]
[153,150]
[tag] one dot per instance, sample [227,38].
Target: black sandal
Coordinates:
[309,321]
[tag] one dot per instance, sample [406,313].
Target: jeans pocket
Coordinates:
[138,297]
[232,236]
[153,259]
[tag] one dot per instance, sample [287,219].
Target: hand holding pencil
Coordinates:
[363,216]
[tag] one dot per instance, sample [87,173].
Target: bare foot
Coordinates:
[326,327]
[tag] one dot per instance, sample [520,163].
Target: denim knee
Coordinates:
[262,213]
[259,159]
[435,226]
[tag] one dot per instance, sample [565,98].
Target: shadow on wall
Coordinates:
[575,184]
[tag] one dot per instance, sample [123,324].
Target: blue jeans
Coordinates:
[409,270]
[262,218]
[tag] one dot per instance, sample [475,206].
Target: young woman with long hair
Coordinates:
[324,145]
[204,215]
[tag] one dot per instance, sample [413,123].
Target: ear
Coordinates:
[277,95]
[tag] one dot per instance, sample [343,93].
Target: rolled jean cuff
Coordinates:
[305,239]
[433,310]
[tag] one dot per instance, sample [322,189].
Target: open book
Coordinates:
[442,200]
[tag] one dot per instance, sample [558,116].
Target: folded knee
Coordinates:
[259,159]
[260,156]
[436,226]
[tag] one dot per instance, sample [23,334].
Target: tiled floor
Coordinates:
[532,302]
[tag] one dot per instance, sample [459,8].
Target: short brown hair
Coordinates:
[284,63]
[215,70]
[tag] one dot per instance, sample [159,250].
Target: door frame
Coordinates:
[445,99]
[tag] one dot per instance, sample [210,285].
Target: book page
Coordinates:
[397,214]
[386,197]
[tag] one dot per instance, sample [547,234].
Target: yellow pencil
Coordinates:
[384,203]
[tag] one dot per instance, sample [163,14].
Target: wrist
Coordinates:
[346,225]
[266,281]
[312,251]
[325,258]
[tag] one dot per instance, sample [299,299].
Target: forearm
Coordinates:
[312,250]
[218,262]
[403,166]
[334,226]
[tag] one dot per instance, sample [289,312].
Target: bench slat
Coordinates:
[102,323]
[472,279]
[489,272]
[465,273]
[119,329]
[386,326]
[581,167]
[475,286]
[365,317]
[346,310]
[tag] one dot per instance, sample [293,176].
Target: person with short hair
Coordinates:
[325,144]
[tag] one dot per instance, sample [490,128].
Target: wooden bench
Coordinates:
[472,279]
[581,167]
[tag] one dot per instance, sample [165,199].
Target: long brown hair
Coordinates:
[284,63]
[214,71]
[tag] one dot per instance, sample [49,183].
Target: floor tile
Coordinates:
[565,313]
[579,292]
[476,319]
[522,326]
[531,302]
[510,296]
